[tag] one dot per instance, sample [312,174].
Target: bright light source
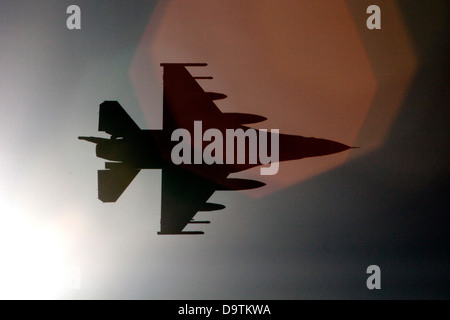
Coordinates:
[32,258]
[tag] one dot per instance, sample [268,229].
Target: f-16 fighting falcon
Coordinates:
[197,149]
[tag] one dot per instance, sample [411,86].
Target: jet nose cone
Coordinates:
[335,147]
[324,147]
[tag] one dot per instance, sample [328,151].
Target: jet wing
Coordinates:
[184,101]
[183,194]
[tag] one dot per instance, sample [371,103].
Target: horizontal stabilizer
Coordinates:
[112,183]
[115,121]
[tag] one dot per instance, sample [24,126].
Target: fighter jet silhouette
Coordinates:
[186,187]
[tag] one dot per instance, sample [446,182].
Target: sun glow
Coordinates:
[32,258]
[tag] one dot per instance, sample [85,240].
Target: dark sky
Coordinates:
[313,239]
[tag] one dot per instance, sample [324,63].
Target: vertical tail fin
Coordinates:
[115,121]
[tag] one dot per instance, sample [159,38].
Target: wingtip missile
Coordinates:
[165,64]
[199,222]
[180,233]
[203,78]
